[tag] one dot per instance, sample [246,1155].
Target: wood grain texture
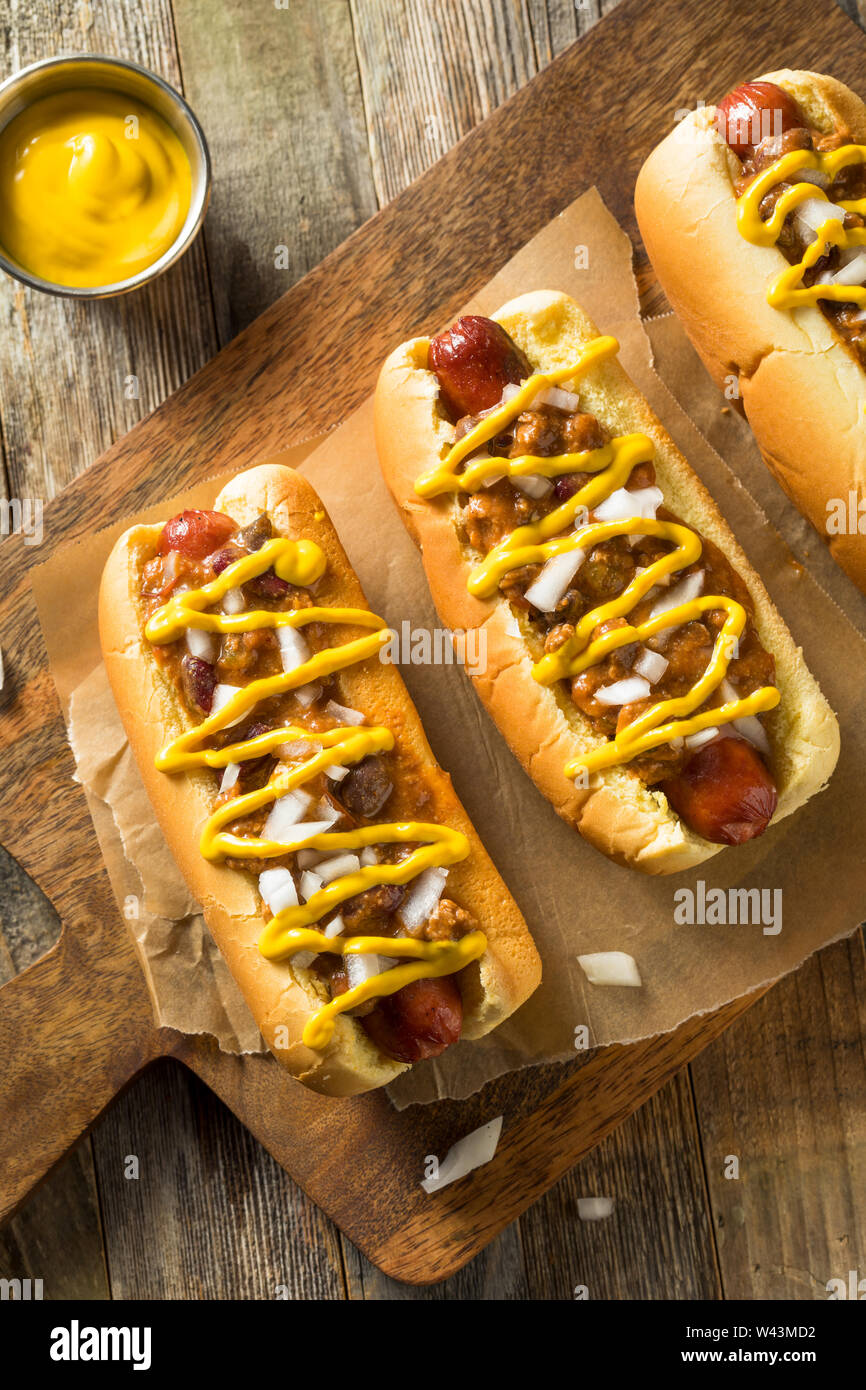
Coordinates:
[785,1094]
[277,92]
[209,1214]
[658,1241]
[74,375]
[430,72]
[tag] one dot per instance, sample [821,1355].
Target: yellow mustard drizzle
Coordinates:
[787,290]
[540,541]
[291,930]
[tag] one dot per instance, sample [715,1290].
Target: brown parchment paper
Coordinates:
[574,900]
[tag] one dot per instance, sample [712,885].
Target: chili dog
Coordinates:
[635,663]
[295,787]
[753,216]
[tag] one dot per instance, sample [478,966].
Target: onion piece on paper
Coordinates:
[610,968]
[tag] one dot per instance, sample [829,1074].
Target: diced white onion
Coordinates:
[230,776]
[221,696]
[623,505]
[335,927]
[550,584]
[277,888]
[814,212]
[748,726]
[295,835]
[302,960]
[610,968]
[202,644]
[594,1208]
[650,665]
[334,868]
[555,396]
[509,391]
[233,602]
[326,811]
[344,714]
[369,856]
[470,1152]
[687,589]
[363,967]
[854,273]
[310,884]
[753,730]
[623,692]
[703,736]
[492,479]
[307,695]
[336,772]
[423,897]
[294,649]
[532,484]
[286,812]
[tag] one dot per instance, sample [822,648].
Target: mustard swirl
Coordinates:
[291,930]
[786,290]
[541,540]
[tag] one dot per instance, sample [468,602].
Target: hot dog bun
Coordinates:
[279,995]
[803,391]
[618,814]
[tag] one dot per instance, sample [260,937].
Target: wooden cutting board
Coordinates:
[77,1026]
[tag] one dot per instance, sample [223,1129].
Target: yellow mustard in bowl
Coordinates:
[94,187]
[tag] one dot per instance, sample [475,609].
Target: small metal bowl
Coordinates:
[117,75]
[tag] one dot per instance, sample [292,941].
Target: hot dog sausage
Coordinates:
[473,361]
[419,1021]
[724,792]
[755,110]
[195,533]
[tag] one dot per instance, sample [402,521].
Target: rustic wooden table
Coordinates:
[317,113]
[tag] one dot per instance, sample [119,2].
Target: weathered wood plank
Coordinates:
[658,1241]
[277,92]
[430,72]
[210,1214]
[784,1094]
[65,367]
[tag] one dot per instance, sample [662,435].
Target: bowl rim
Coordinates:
[188,232]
